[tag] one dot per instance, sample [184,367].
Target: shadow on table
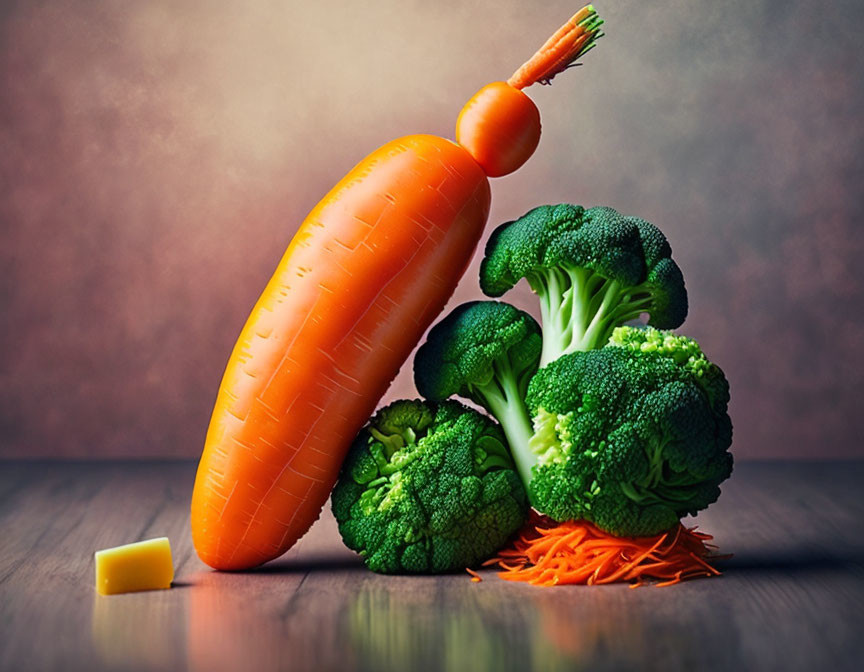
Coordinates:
[181,584]
[792,561]
[323,563]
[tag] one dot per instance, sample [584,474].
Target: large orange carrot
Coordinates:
[369,269]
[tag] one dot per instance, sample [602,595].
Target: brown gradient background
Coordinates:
[156,157]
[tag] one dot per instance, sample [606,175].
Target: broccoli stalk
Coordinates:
[592,270]
[485,351]
[504,399]
[579,308]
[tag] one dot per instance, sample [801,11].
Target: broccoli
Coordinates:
[632,436]
[592,270]
[485,351]
[428,488]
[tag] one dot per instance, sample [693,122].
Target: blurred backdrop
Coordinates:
[156,157]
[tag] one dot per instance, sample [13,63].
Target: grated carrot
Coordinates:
[547,553]
[475,577]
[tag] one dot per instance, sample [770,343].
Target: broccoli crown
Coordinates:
[685,352]
[632,436]
[428,488]
[474,351]
[593,270]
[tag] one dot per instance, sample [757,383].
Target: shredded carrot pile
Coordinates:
[547,553]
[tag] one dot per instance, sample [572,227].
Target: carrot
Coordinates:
[500,125]
[500,128]
[546,553]
[572,40]
[368,270]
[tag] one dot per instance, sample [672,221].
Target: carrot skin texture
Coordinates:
[369,269]
[500,128]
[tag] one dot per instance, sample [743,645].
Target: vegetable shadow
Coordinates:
[309,564]
[181,584]
[794,561]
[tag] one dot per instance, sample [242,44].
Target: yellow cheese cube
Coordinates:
[145,565]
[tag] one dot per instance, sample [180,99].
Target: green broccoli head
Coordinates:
[477,349]
[592,269]
[632,436]
[485,351]
[685,352]
[428,488]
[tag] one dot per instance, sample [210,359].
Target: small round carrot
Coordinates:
[500,128]
[500,125]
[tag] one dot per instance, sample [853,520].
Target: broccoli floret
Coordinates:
[428,488]
[685,352]
[632,436]
[592,270]
[485,351]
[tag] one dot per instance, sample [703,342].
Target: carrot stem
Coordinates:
[571,41]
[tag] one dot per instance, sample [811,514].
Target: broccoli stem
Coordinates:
[495,462]
[503,397]
[579,309]
[660,486]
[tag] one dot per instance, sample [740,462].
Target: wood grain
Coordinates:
[792,598]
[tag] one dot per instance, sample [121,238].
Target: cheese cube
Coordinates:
[145,565]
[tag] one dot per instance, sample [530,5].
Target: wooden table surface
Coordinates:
[792,598]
